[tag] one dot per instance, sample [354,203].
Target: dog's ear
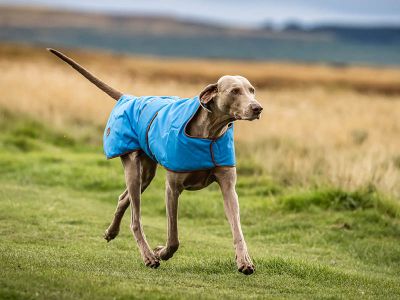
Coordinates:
[208,93]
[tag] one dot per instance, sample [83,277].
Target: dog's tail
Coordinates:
[93,79]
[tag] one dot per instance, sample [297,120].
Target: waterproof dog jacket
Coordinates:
[157,125]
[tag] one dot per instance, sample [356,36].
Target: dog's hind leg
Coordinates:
[113,230]
[133,177]
[148,172]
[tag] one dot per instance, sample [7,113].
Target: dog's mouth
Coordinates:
[247,118]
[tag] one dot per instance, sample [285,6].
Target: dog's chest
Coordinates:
[196,180]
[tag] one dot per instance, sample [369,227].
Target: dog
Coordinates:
[191,125]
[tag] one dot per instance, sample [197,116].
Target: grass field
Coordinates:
[318,188]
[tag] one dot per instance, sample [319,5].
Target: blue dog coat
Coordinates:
[157,125]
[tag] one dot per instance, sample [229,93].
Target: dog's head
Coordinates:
[233,96]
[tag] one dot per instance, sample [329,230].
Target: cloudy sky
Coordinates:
[245,13]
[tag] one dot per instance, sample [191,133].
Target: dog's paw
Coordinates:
[160,252]
[110,234]
[151,260]
[246,269]
[245,265]
[165,253]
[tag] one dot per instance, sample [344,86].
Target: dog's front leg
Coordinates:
[132,168]
[226,178]
[172,192]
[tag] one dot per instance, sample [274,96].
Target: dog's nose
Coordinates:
[257,108]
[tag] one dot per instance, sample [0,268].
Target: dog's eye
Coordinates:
[251,90]
[235,91]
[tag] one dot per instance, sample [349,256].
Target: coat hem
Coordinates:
[192,171]
[127,152]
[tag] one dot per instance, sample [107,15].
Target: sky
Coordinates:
[250,13]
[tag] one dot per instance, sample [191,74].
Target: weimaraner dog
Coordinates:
[231,98]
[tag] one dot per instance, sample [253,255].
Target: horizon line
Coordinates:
[204,20]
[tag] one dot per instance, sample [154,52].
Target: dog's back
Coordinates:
[129,121]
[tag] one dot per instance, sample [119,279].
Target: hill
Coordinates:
[174,37]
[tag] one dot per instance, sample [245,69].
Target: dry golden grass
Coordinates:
[319,126]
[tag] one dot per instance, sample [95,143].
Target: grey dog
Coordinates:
[231,98]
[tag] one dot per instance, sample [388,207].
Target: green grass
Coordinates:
[58,195]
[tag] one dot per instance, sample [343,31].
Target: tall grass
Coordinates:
[321,126]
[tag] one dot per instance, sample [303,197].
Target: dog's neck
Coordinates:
[208,124]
